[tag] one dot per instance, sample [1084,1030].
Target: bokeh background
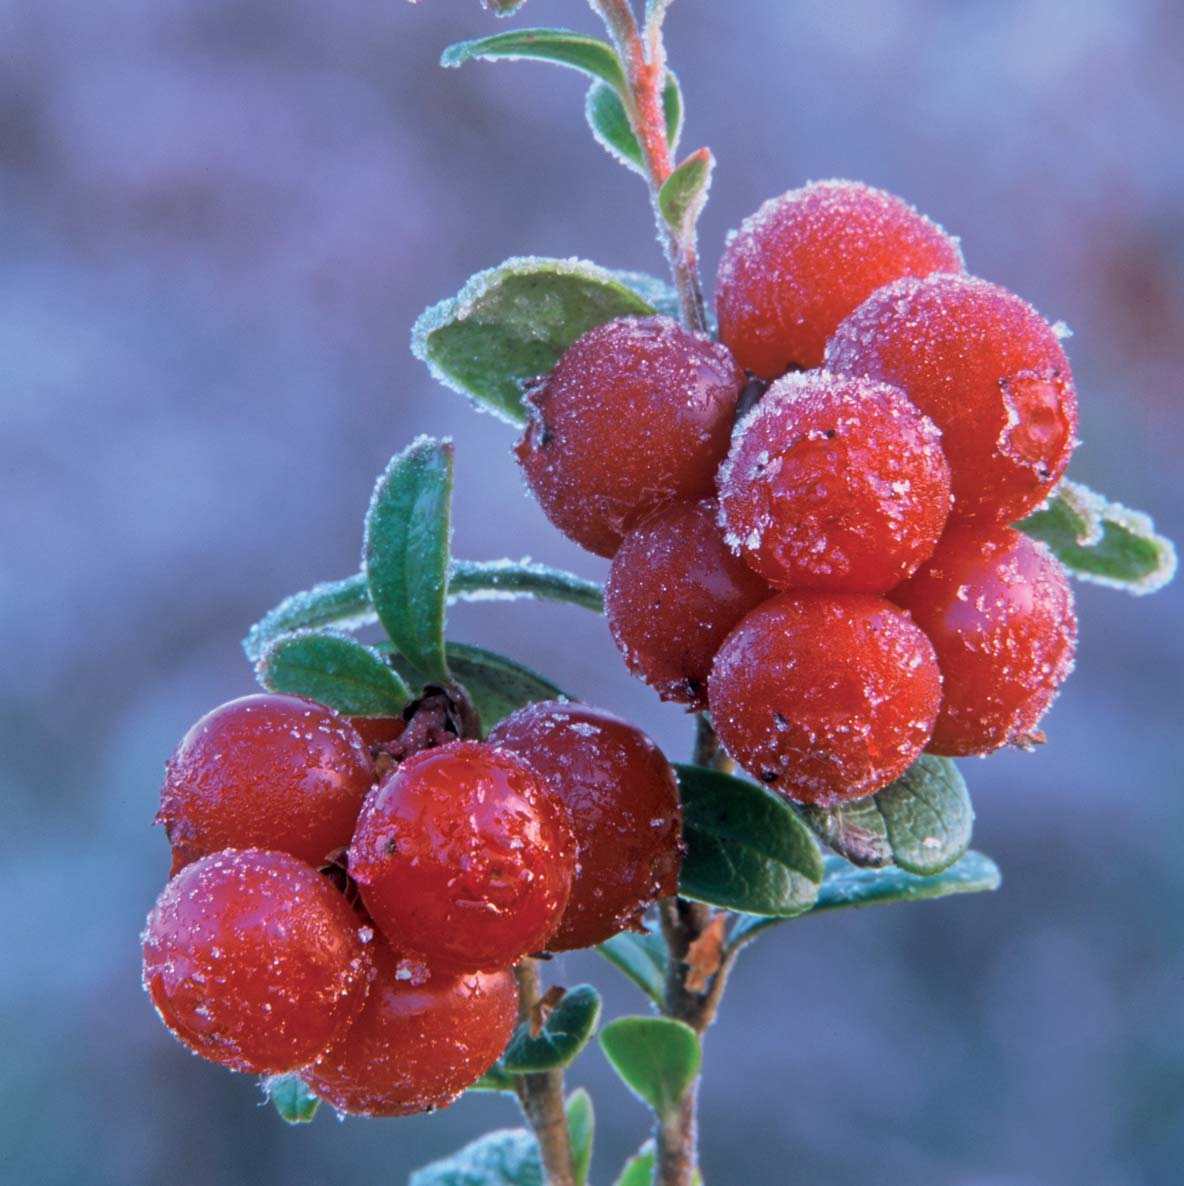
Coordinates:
[218,220]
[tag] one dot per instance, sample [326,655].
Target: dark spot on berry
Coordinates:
[768,776]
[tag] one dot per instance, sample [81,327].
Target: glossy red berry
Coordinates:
[625,811]
[674,591]
[418,1042]
[988,369]
[834,483]
[464,858]
[267,771]
[637,413]
[379,730]
[254,960]
[804,260]
[825,697]
[999,611]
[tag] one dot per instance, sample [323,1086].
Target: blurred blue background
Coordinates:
[219,219]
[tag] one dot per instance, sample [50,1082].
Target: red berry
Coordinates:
[267,771]
[999,611]
[825,696]
[463,858]
[834,483]
[637,413]
[418,1043]
[673,593]
[991,373]
[254,960]
[625,812]
[379,730]
[804,260]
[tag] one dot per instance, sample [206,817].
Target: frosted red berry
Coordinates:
[378,731]
[674,591]
[637,413]
[418,1042]
[834,483]
[254,960]
[988,369]
[805,259]
[267,771]
[464,858]
[625,811]
[825,697]
[999,611]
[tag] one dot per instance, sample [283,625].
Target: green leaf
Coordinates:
[746,849]
[503,7]
[405,551]
[335,670]
[1102,541]
[564,1034]
[641,955]
[684,193]
[495,1079]
[639,1170]
[657,1058]
[844,886]
[561,46]
[659,293]
[498,686]
[345,604]
[512,323]
[922,821]
[610,125]
[505,1157]
[581,1127]
[291,1098]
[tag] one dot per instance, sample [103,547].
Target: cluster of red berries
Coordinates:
[808,519]
[348,896]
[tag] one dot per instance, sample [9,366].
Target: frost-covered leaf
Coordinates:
[610,125]
[506,1157]
[406,552]
[684,193]
[1102,541]
[561,46]
[512,323]
[335,670]
[503,7]
[746,848]
[291,1098]
[581,1127]
[498,685]
[922,821]
[565,1033]
[656,1057]
[659,293]
[641,955]
[344,604]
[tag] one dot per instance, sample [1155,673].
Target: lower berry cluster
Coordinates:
[348,895]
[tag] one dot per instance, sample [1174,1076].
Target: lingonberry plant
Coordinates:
[840,534]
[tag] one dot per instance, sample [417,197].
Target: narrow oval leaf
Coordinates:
[656,1057]
[498,686]
[512,323]
[495,1079]
[684,193]
[291,1098]
[564,1034]
[406,552]
[1102,541]
[610,125]
[334,670]
[581,1128]
[855,830]
[561,46]
[746,848]
[641,955]
[505,1157]
[345,604]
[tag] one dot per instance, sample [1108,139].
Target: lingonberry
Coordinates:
[988,369]
[804,260]
[418,1043]
[825,697]
[266,771]
[674,591]
[254,960]
[464,858]
[377,731]
[637,413]
[999,611]
[834,483]
[625,812]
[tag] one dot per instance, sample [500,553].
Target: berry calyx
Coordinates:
[989,371]
[806,259]
[625,811]
[674,591]
[418,1042]
[254,960]
[834,483]
[637,413]
[825,697]
[998,609]
[267,771]
[463,857]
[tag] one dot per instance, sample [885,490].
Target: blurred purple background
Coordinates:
[219,220]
